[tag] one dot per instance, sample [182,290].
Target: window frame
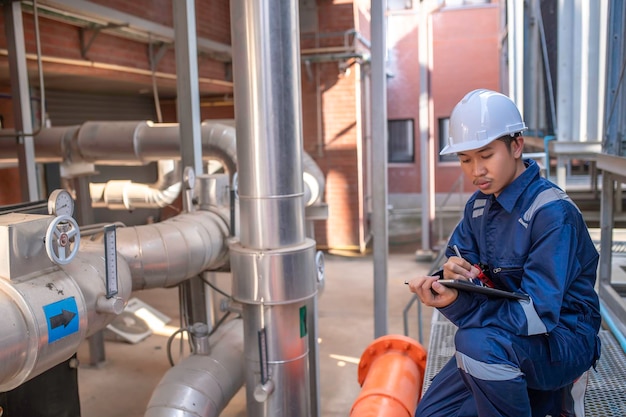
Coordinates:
[408,141]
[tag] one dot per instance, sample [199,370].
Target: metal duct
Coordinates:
[164,254]
[139,143]
[51,144]
[273,263]
[48,310]
[149,256]
[201,386]
[129,195]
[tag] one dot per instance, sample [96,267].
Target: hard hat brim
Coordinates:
[470,146]
[465,146]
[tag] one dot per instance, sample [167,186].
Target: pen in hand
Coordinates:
[456,251]
[433,292]
[476,280]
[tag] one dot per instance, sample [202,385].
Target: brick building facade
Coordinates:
[335,37]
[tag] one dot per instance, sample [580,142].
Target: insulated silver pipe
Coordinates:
[139,143]
[129,195]
[26,350]
[273,262]
[122,143]
[47,314]
[52,144]
[202,385]
[164,254]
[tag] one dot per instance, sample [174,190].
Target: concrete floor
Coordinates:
[121,387]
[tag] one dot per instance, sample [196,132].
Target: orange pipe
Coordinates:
[391,375]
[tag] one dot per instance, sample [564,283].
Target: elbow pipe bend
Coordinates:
[314,181]
[129,195]
[391,375]
[164,254]
[141,142]
[202,385]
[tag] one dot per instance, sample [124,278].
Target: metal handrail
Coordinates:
[435,266]
[457,184]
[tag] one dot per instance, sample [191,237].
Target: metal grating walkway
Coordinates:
[606,391]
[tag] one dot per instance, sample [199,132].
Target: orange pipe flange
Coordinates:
[391,375]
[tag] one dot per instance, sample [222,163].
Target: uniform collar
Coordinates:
[511,193]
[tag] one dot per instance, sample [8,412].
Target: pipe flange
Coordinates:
[385,344]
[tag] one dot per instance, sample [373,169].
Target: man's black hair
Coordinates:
[508,139]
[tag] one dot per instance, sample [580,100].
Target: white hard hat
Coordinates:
[481,117]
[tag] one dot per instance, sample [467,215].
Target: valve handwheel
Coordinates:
[62,239]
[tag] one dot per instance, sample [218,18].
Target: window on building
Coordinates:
[401,140]
[444,132]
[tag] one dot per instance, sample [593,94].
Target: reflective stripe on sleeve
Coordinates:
[535,325]
[486,371]
[543,198]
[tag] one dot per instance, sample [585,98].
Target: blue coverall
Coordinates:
[516,358]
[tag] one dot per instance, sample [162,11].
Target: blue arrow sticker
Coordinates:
[62,318]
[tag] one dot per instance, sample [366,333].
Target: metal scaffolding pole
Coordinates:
[188,105]
[379,166]
[14,27]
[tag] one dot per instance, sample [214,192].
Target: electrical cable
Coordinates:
[215,288]
[219,323]
[169,344]
[180,331]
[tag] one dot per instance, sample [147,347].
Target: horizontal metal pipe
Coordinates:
[129,195]
[167,253]
[73,295]
[139,143]
[51,144]
[122,143]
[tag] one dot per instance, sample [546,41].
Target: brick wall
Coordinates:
[329,113]
[61,41]
[10,192]
[403,90]
[466,56]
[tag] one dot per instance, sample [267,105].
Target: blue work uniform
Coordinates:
[515,357]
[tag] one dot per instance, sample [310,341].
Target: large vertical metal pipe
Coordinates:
[273,262]
[515,46]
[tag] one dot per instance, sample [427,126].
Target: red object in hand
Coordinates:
[483,277]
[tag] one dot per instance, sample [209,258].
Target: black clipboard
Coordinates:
[463,285]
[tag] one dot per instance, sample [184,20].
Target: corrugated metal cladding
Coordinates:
[73,108]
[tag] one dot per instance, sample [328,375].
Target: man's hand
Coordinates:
[459,268]
[432,293]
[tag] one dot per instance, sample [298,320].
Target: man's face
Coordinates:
[493,167]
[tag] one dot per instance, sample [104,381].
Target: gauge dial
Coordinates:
[60,203]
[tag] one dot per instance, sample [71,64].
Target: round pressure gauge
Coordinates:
[60,203]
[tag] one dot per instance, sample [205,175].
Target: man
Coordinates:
[513,358]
